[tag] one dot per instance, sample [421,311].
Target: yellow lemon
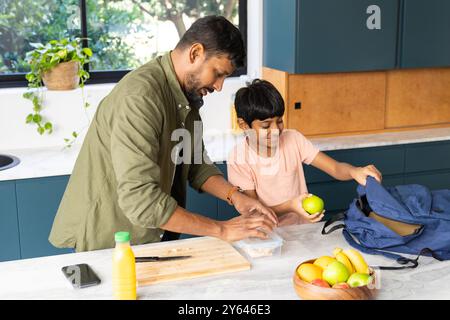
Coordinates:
[309,272]
[324,261]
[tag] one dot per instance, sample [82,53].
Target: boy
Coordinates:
[267,164]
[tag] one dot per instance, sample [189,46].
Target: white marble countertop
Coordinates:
[382,139]
[268,279]
[54,161]
[41,162]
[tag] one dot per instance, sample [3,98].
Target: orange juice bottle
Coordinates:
[124,268]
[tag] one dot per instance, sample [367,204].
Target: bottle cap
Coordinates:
[122,236]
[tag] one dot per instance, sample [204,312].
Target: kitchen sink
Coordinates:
[7,161]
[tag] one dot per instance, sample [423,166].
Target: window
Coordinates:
[123,34]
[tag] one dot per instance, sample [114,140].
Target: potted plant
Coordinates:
[59,66]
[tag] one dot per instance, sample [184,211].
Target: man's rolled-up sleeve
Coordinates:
[134,152]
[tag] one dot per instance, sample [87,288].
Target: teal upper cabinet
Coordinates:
[9,231]
[316,36]
[426,34]
[37,203]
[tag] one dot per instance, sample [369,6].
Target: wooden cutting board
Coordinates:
[210,256]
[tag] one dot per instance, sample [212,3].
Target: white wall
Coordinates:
[64,108]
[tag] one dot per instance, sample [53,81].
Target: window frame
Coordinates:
[15,80]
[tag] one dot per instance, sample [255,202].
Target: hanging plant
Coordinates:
[59,66]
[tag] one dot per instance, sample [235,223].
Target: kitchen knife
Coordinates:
[160,259]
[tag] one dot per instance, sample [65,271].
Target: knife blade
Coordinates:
[156,259]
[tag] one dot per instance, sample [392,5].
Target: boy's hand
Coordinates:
[246,205]
[360,174]
[297,207]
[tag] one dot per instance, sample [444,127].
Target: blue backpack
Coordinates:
[407,219]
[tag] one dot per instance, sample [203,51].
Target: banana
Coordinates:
[357,260]
[341,257]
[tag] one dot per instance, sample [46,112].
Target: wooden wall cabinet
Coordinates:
[331,103]
[418,97]
[364,102]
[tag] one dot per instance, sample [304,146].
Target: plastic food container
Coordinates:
[258,248]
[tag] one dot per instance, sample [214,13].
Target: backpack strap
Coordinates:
[334,218]
[400,259]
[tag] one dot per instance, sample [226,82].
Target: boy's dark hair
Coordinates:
[258,101]
[218,36]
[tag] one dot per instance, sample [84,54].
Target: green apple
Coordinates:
[313,204]
[359,279]
[335,272]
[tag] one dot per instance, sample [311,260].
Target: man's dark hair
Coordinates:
[219,37]
[258,101]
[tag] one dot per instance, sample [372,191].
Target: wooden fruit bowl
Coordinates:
[308,291]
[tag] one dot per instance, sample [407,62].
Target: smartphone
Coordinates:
[81,275]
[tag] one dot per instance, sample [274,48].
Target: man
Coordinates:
[125,178]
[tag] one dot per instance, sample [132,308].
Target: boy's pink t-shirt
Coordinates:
[275,179]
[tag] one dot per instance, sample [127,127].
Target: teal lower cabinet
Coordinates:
[224,210]
[208,205]
[430,156]
[338,195]
[200,203]
[37,203]
[428,164]
[434,181]
[9,230]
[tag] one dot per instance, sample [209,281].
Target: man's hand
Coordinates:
[244,226]
[360,174]
[246,205]
[297,207]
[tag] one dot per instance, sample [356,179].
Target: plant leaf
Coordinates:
[36,44]
[28,95]
[62,53]
[55,58]
[29,118]
[87,51]
[41,130]
[30,76]
[36,104]
[37,118]
[74,134]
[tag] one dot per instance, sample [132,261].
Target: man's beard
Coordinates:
[192,89]
[195,100]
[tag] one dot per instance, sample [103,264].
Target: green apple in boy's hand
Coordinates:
[313,204]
